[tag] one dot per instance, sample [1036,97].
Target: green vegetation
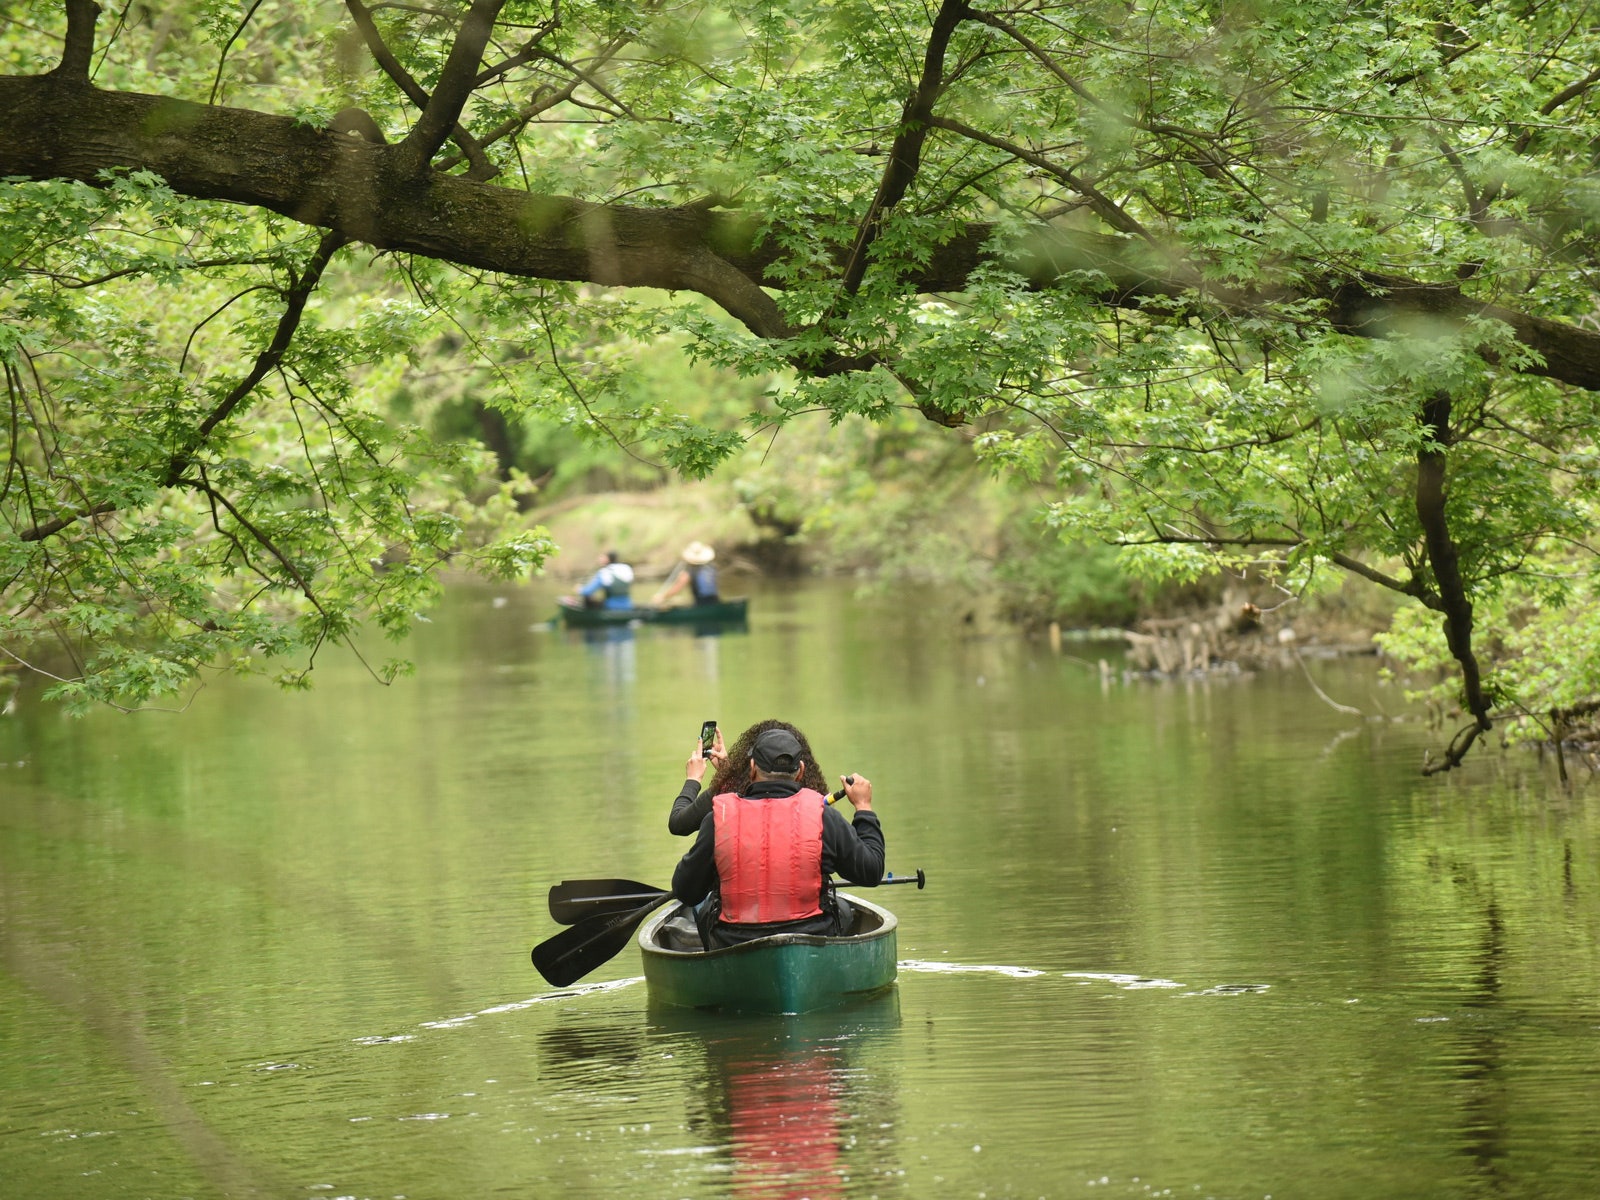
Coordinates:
[1284,288]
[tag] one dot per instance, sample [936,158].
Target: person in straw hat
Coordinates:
[694,571]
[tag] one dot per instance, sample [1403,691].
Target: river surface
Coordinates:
[1210,939]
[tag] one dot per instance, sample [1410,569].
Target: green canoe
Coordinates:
[726,612]
[789,973]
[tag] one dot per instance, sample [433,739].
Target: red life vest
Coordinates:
[769,857]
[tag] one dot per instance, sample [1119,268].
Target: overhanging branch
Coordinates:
[455,85]
[288,323]
[1406,587]
[905,156]
[51,131]
[1444,558]
[481,167]
[77,52]
[183,456]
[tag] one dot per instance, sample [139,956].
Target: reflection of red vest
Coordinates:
[769,857]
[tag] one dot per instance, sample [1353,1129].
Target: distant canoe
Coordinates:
[789,973]
[725,612]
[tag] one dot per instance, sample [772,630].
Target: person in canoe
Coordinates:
[766,848]
[609,587]
[732,767]
[694,570]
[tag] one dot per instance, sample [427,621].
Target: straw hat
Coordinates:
[698,554]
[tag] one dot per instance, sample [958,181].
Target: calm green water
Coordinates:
[1211,940]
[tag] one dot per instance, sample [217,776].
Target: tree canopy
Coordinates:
[1289,285]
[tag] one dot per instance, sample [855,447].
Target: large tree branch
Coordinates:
[905,156]
[53,128]
[481,168]
[1571,92]
[1444,558]
[77,52]
[455,85]
[56,524]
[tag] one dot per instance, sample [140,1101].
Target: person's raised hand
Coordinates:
[695,768]
[719,752]
[858,790]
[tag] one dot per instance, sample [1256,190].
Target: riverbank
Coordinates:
[983,566]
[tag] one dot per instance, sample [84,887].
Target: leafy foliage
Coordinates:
[270,542]
[1291,286]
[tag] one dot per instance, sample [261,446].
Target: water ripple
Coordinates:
[1232,989]
[1121,979]
[944,968]
[588,989]
[1124,981]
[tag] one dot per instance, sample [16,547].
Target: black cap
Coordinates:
[777,750]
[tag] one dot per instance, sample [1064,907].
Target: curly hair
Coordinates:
[734,776]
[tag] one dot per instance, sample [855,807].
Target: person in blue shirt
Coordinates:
[609,587]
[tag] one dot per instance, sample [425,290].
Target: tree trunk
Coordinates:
[1443,557]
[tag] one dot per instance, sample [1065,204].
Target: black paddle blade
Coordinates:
[574,952]
[573,900]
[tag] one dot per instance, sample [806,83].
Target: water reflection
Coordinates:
[784,1118]
[348,881]
[777,1108]
[801,1104]
[615,652]
[1481,1062]
[716,629]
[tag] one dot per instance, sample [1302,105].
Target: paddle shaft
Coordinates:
[920,879]
[635,898]
[591,941]
[621,898]
[656,893]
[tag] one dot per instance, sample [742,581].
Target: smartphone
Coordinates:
[708,736]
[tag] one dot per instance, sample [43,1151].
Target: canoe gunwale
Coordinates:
[724,612]
[887,924]
[784,973]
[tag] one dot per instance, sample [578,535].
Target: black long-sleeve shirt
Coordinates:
[689,809]
[852,850]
